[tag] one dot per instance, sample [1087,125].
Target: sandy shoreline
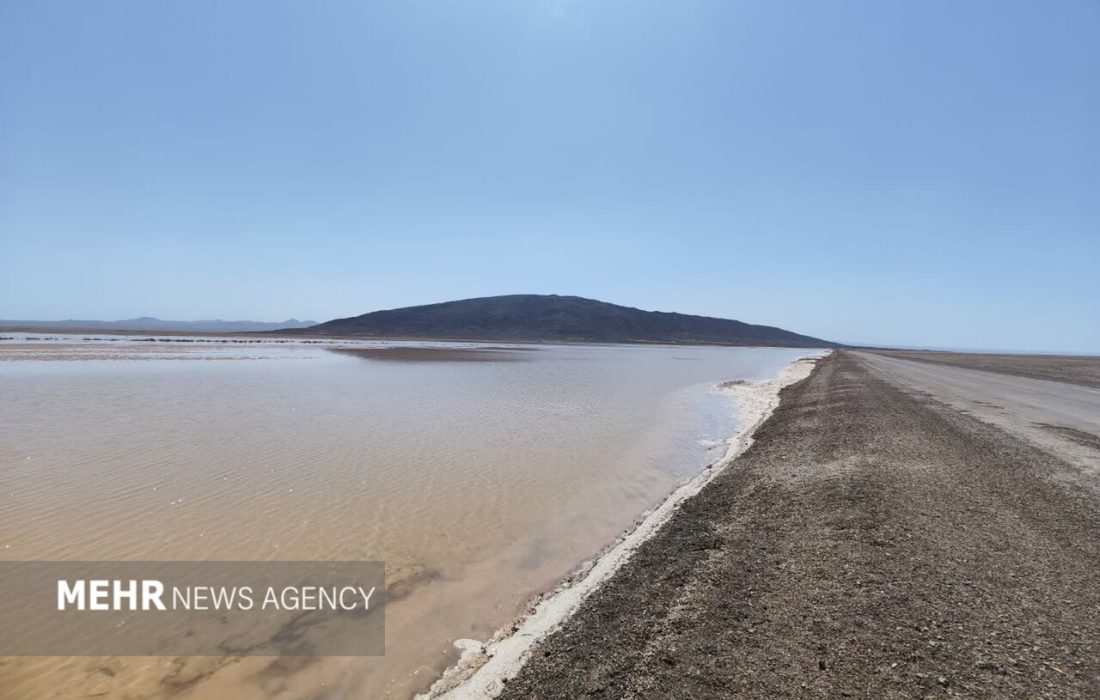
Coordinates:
[484,668]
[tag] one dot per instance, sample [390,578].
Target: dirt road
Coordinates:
[874,542]
[1074,369]
[1059,417]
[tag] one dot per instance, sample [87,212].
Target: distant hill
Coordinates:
[531,317]
[148,323]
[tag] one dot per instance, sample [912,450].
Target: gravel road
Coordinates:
[1061,418]
[880,539]
[1075,369]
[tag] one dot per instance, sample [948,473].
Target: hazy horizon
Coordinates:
[909,175]
[846,341]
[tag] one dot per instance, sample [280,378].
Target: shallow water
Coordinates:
[478,482]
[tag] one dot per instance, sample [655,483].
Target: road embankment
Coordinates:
[873,542]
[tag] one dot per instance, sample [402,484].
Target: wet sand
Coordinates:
[876,540]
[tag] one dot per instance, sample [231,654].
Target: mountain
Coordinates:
[148,323]
[532,317]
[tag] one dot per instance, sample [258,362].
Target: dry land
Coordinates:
[881,538]
[1075,369]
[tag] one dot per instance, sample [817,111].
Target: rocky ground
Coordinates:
[874,542]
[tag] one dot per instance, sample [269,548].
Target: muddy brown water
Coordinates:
[479,483]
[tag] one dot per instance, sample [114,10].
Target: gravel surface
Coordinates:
[874,542]
[1057,417]
[1075,369]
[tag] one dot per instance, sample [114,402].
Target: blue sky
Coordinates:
[893,172]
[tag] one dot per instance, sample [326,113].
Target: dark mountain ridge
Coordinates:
[537,317]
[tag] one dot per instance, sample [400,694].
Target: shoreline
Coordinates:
[882,537]
[483,669]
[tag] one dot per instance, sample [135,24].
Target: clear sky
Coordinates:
[894,172]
